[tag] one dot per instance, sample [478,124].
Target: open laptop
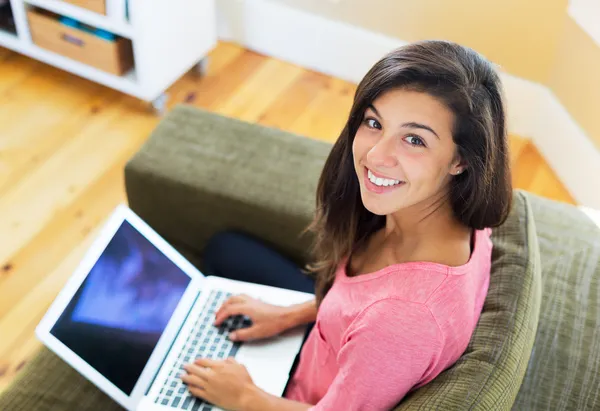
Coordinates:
[135,310]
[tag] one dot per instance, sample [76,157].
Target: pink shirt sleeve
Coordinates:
[389,347]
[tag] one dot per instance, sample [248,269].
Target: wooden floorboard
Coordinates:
[64,142]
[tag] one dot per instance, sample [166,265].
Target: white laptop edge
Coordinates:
[120,214]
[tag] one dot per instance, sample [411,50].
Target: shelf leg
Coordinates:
[159,105]
[201,68]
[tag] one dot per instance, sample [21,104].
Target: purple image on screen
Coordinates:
[133,286]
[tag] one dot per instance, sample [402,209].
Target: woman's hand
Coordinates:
[267,320]
[227,384]
[224,383]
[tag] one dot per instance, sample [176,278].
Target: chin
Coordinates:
[377,208]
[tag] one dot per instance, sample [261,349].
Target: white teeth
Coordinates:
[383,182]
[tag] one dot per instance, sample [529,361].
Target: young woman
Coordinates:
[402,241]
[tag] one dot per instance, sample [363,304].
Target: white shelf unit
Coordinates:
[169,37]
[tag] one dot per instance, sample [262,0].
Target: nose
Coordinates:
[383,154]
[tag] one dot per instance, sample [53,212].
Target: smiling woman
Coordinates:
[402,249]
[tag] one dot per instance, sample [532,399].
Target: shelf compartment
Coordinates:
[47,31]
[7,20]
[114,24]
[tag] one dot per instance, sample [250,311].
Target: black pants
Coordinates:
[238,256]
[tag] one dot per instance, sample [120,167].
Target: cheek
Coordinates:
[420,167]
[415,164]
[360,146]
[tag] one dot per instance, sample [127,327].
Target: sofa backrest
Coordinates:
[564,369]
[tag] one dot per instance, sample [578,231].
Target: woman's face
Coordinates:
[405,145]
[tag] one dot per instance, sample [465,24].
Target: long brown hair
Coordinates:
[480,196]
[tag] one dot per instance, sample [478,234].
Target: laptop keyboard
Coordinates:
[205,341]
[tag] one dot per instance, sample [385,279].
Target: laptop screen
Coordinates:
[117,316]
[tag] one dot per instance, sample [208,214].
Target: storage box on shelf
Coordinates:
[153,45]
[113,54]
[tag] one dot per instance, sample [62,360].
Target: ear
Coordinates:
[458,165]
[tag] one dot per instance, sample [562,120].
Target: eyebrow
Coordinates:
[410,124]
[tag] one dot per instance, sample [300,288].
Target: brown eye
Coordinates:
[415,141]
[372,123]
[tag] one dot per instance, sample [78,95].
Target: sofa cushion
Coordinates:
[489,373]
[200,173]
[50,384]
[564,369]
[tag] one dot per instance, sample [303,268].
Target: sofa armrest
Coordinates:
[200,173]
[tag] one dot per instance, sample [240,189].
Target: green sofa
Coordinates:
[536,346]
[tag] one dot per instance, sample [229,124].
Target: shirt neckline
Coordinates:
[415,265]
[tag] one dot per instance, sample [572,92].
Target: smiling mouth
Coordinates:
[380,181]
[379,184]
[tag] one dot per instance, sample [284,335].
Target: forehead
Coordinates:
[401,105]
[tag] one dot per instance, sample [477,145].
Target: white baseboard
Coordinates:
[334,48]
[348,52]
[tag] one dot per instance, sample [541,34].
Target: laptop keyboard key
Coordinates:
[187,402]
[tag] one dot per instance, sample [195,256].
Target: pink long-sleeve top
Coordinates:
[380,335]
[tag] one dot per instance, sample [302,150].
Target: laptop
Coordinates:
[135,311]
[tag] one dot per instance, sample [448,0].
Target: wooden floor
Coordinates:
[64,141]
